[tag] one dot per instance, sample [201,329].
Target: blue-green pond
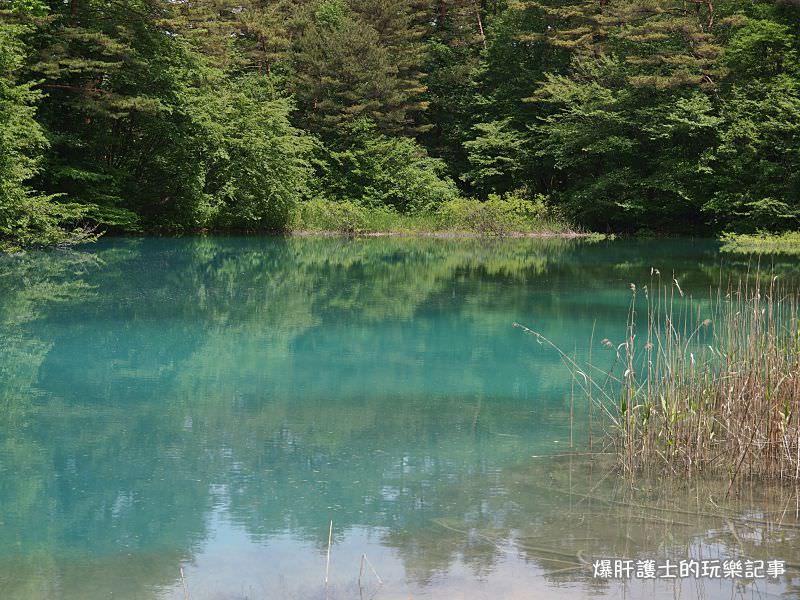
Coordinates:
[209,405]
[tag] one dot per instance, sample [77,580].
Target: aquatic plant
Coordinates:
[786,243]
[703,387]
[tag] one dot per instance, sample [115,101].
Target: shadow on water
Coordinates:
[212,403]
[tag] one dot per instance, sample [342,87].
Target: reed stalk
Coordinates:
[328,555]
[707,387]
[185,587]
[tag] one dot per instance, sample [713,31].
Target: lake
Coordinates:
[209,405]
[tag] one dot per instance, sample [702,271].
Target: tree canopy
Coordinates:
[145,115]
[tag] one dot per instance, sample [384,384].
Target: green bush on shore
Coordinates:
[786,243]
[498,216]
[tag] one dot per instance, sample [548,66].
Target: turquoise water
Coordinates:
[212,404]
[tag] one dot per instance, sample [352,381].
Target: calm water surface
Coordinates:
[212,404]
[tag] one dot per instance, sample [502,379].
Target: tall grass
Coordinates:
[704,387]
[496,217]
[785,243]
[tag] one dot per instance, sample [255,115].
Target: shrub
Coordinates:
[259,167]
[500,215]
[375,170]
[343,217]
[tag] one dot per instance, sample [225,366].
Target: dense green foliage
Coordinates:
[618,115]
[498,216]
[26,216]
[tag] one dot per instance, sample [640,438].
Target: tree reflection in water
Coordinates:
[216,401]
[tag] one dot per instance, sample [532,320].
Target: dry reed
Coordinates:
[703,387]
[328,555]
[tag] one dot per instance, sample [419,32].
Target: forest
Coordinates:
[673,116]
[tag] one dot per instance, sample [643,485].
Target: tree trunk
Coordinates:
[480,24]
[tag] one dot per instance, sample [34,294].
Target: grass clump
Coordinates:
[711,387]
[785,243]
[499,216]
[345,217]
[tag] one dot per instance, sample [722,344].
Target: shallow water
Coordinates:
[212,404]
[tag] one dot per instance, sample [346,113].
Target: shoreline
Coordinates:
[330,233]
[440,234]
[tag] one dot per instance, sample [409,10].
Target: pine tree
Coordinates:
[462,22]
[455,38]
[27,217]
[342,71]
[112,85]
[667,44]
[268,29]
[401,29]
[239,35]
[211,26]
